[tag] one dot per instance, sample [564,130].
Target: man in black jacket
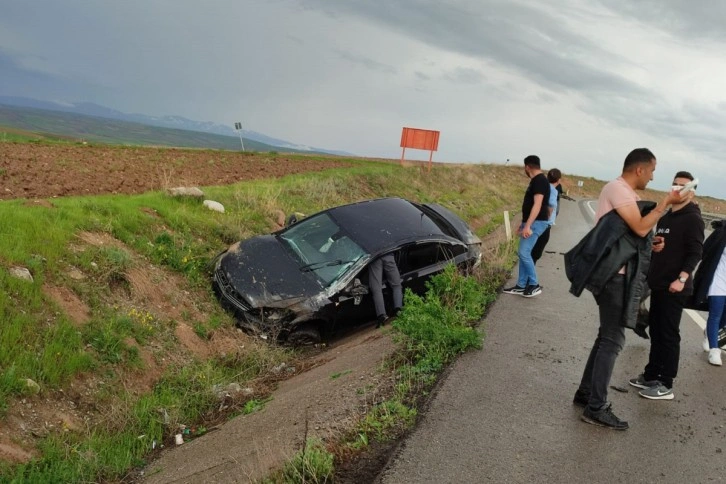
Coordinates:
[619,196]
[679,235]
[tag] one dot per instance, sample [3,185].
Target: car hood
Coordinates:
[265,274]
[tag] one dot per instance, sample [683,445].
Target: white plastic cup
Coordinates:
[179,439]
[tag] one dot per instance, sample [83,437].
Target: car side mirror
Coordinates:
[357,288]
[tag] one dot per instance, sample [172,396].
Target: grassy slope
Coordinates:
[41,342]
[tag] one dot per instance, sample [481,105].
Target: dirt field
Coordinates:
[29,170]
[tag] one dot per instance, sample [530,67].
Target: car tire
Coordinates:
[304,335]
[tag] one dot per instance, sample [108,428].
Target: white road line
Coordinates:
[589,206]
[696,318]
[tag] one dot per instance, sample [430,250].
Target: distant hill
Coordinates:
[35,107]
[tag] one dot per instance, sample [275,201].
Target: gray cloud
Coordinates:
[558,77]
[366,62]
[686,19]
[465,75]
[530,39]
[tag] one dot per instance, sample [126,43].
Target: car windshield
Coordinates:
[323,248]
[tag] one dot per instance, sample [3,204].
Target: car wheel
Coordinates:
[304,335]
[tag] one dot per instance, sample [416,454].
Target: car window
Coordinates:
[322,247]
[424,255]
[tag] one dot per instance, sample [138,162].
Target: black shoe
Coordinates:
[381,320]
[517,290]
[640,331]
[532,290]
[581,399]
[604,418]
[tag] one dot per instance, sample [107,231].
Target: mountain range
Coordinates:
[171,122]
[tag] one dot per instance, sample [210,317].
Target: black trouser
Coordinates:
[665,336]
[610,340]
[539,246]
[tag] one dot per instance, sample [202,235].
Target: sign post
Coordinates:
[420,139]
[238,128]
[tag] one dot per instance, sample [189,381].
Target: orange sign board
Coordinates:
[420,139]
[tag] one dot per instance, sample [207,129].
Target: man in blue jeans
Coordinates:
[534,223]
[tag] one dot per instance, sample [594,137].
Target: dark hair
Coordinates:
[683,174]
[554,175]
[639,156]
[532,160]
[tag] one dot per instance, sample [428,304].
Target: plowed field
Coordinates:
[30,170]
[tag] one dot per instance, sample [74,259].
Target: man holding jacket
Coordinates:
[611,261]
[680,232]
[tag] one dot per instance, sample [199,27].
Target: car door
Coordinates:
[420,261]
[353,305]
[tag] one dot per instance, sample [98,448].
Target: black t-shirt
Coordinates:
[538,185]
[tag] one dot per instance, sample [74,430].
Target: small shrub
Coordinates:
[385,418]
[313,464]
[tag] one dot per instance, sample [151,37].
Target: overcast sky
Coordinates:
[579,83]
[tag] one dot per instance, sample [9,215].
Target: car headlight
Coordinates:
[268,316]
[275,315]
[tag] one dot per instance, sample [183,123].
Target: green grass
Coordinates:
[40,342]
[313,464]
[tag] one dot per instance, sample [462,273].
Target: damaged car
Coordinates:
[308,280]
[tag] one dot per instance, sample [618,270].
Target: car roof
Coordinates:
[378,225]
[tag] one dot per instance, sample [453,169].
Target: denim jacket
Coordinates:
[601,253]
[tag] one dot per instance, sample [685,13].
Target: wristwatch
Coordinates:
[682,279]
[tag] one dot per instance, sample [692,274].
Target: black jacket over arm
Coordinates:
[610,245]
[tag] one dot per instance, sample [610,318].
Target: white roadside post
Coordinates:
[507,226]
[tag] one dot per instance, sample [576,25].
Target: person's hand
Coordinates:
[676,286]
[658,243]
[675,197]
[526,232]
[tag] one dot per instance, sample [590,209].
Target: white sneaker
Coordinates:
[714,356]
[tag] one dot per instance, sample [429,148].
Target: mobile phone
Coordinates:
[691,185]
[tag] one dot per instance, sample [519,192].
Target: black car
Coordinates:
[310,278]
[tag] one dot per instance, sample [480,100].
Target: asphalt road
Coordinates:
[504,414]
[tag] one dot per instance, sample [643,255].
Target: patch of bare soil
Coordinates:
[77,310]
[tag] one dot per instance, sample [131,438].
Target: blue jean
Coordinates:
[610,340]
[716,318]
[527,272]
